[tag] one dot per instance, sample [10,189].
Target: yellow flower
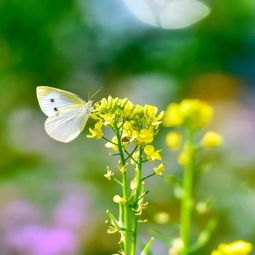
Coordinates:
[109,174]
[113,144]
[129,132]
[97,131]
[144,136]
[151,153]
[119,200]
[150,110]
[123,169]
[211,139]
[174,140]
[235,248]
[158,119]
[159,169]
[128,109]
[135,123]
[173,116]
[108,119]
[112,230]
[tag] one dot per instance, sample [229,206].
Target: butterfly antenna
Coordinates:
[89,95]
[90,98]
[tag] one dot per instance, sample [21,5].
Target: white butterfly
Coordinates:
[169,14]
[67,113]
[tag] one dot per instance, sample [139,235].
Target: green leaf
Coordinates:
[163,237]
[205,235]
[146,249]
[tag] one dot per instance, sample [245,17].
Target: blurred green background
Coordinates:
[53,196]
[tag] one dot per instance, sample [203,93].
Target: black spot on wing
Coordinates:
[52,100]
[55,109]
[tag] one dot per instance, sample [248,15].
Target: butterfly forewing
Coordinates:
[51,99]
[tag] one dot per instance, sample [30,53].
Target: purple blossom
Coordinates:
[39,240]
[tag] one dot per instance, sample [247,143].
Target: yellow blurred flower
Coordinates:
[174,140]
[197,113]
[192,112]
[211,139]
[202,207]
[151,153]
[177,246]
[235,248]
[162,218]
[173,116]
[159,169]
[133,184]
[113,144]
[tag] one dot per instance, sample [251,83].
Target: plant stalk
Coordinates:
[137,195]
[187,198]
[126,234]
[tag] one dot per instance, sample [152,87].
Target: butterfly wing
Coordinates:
[51,99]
[68,123]
[182,13]
[67,113]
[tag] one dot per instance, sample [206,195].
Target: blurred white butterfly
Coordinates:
[67,113]
[169,14]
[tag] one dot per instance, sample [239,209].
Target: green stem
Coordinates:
[127,238]
[137,195]
[187,199]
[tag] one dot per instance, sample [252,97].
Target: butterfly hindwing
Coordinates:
[67,124]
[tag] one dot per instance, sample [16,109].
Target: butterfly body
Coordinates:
[67,113]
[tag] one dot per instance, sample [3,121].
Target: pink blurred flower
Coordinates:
[39,240]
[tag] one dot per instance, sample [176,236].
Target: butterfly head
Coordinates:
[89,106]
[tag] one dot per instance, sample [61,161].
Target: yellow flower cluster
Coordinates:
[234,248]
[190,112]
[139,123]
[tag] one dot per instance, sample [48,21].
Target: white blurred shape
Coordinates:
[172,14]
[142,10]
